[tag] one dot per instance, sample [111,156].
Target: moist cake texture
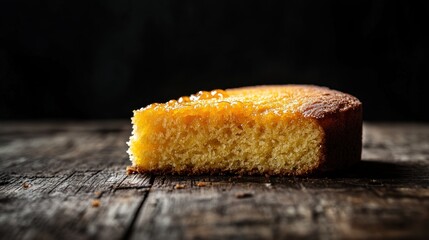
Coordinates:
[274,130]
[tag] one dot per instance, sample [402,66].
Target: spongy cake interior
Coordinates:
[232,131]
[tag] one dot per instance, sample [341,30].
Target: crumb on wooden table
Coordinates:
[131,170]
[26,185]
[201,184]
[95,202]
[243,195]
[179,186]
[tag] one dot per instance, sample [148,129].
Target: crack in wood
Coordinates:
[61,182]
[131,187]
[88,179]
[128,232]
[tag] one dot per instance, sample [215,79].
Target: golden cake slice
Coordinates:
[275,130]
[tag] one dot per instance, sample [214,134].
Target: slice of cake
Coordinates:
[275,130]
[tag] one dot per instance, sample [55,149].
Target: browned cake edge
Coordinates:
[342,145]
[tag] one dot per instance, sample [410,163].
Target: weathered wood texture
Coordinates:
[68,181]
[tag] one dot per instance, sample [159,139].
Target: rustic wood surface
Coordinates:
[67,181]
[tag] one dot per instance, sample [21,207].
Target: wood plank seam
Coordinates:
[82,184]
[61,182]
[129,230]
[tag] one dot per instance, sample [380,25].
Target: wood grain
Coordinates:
[67,180]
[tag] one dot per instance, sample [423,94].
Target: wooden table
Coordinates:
[68,181]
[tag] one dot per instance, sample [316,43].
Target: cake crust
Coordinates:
[337,115]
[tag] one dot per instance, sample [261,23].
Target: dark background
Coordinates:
[96,59]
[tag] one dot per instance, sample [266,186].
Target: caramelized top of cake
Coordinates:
[310,101]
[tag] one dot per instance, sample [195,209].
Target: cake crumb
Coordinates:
[131,170]
[26,185]
[98,194]
[243,195]
[179,186]
[95,203]
[201,184]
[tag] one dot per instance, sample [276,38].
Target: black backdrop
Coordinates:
[96,59]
